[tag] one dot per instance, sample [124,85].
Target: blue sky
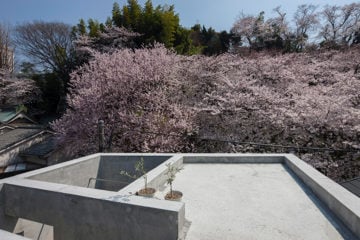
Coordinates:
[219,14]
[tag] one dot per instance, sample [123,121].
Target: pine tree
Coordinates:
[116,15]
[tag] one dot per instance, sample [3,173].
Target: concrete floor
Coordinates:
[34,230]
[241,201]
[251,201]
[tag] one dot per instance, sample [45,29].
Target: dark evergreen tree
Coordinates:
[116,15]
[159,24]
[81,27]
[209,41]
[94,28]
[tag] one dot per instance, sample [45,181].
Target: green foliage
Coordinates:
[116,14]
[21,108]
[184,44]
[156,25]
[82,27]
[171,174]
[135,13]
[159,24]
[49,85]
[208,41]
[94,28]
[108,22]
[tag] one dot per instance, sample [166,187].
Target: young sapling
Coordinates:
[140,171]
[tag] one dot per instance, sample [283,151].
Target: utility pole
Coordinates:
[101,135]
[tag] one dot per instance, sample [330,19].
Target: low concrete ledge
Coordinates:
[63,165]
[345,205]
[82,213]
[233,158]
[4,235]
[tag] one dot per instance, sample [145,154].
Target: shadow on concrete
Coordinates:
[342,229]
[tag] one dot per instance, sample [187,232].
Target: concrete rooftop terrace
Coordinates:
[226,196]
[252,201]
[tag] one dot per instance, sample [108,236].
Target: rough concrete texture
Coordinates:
[34,230]
[101,214]
[81,213]
[106,168]
[344,204]
[225,196]
[75,173]
[233,158]
[4,235]
[110,167]
[252,201]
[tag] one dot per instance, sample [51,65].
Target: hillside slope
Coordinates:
[306,100]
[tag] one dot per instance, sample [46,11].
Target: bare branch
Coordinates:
[47,43]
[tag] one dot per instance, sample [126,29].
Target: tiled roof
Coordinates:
[9,114]
[16,135]
[5,116]
[41,148]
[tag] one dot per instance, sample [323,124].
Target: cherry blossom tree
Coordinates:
[300,100]
[250,28]
[132,91]
[15,91]
[335,26]
[297,101]
[260,34]
[107,41]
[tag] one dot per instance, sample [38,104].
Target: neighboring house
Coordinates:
[10,117]
[14,141]
[44,153]
[5,129]
[18,133]
[24,144]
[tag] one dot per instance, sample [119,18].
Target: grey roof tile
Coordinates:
[5,116]
[42,148]
[14,136]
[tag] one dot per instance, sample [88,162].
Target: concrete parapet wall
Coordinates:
[106,167]
[75,173]
[345,205]
[80,213]
[233,158]
[111,165]
[57,196]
